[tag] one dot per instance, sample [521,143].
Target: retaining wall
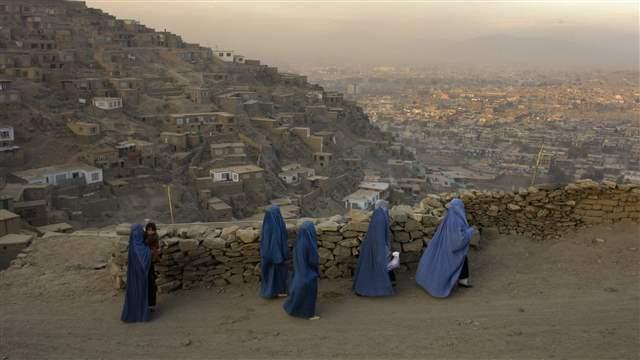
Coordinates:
[228,253]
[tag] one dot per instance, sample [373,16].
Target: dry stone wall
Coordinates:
[220,254]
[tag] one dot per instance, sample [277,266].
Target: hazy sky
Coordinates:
[397,31]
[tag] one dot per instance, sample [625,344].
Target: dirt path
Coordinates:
[568,299]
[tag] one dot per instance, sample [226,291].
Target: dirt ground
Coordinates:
[574,298]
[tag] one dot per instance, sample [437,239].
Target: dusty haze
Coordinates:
[547,33]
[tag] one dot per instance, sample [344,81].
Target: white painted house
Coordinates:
[61,175]
[382,188]
[7,136]
[361,199]
[107,103]
[236,173]
[224,55]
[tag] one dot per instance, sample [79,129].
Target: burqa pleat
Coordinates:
[303,290]
[442,262]
[274,250]
[136,298]
[371,277]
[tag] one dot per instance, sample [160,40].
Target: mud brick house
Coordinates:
[228,154]
[8,95]
[31,202]
[86,129]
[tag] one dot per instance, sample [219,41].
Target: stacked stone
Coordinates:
[544,212]
[206,255]
[409,234]
[338,245]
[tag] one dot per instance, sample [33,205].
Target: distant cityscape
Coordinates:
[483,129]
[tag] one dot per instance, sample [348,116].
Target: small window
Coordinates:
[95,176]
[75,175]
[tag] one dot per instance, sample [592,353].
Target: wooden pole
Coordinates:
[170,203]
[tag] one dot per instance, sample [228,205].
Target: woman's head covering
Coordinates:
[382,204]
[138,246]
[442,262]
[371,277]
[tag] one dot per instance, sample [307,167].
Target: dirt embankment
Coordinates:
[573,298]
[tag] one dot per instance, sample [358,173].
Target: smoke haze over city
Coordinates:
[600,34]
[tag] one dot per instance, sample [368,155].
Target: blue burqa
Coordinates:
[136,303]
[303,290]
[372,277]
[442,262]
[274,250]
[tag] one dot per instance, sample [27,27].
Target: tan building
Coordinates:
[208,123]
[9,222]
[228,152]
[322,159]
[198,95]
[264,123]
[179,142]
[103,157]
[82,128]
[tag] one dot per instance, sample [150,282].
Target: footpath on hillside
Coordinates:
[576,297]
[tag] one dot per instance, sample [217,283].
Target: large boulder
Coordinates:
[247,235]
[414,246]
[431,201]
[214,243]
[328,226]
[401,213]
[229,232]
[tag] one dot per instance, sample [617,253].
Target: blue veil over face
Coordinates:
[274,251]
[441,263]
[371,277]
[303,291]
[136,303]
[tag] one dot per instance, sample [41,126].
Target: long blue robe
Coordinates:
[274,250]
[371,277]
[136,298]
[303,290]
[441,263]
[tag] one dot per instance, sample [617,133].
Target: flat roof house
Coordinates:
[60,175]
[224,55]
[361,199]
[82,128]
[236,173]
[7,136]
[107,103]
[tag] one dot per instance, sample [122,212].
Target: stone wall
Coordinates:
[221,254]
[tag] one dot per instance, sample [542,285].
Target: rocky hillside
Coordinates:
[64,59]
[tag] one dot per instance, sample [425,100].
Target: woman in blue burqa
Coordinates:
[303,290]
[371,277]
[444,263]
[274,250]
[136,298]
